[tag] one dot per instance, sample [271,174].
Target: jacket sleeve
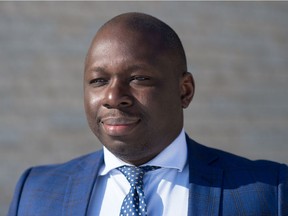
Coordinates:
[17,194]
[283,191]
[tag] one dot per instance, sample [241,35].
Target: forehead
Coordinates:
[123,36]
[115,43]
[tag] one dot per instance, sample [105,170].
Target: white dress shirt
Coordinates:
[166,189]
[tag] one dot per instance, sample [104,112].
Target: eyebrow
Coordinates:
[131,68]
[97,69]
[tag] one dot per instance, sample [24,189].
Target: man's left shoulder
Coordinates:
[253,187]
[229,161]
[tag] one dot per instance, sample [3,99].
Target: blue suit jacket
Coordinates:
[220,184]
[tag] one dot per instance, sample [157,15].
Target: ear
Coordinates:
[187,89]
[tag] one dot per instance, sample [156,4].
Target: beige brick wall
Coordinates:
[237,52]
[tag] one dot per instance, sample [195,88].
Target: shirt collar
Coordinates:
[174,156]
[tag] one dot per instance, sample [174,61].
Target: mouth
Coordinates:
[119,126]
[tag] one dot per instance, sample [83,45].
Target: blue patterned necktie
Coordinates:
[134,202]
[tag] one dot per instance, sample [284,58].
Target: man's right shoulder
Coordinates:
[69,168]
[36,184]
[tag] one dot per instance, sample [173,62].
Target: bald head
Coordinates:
[135,67]
[154,32]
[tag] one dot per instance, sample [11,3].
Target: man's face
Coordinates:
[132,95]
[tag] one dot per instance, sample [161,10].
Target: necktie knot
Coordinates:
[135,174]
[134,202]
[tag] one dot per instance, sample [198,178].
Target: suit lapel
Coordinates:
[205,181]
[80,187]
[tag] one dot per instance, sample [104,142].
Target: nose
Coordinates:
[117,95]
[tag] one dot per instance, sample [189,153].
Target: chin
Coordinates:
[125,149]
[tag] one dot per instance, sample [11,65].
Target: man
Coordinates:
[136,86]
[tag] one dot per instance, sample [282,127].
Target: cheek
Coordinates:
[164,105]
[91,103]
[155,102]
[147,98]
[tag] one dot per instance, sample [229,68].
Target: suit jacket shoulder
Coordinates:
[71,167]
[227,161]
[236,185]
[61,189]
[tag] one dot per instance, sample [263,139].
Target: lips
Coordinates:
[119,126]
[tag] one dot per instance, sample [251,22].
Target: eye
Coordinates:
[97,82]
[140,78]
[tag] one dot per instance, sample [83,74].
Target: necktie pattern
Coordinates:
[134,202]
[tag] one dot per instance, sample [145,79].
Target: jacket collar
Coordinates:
[80,186]
[205,180]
